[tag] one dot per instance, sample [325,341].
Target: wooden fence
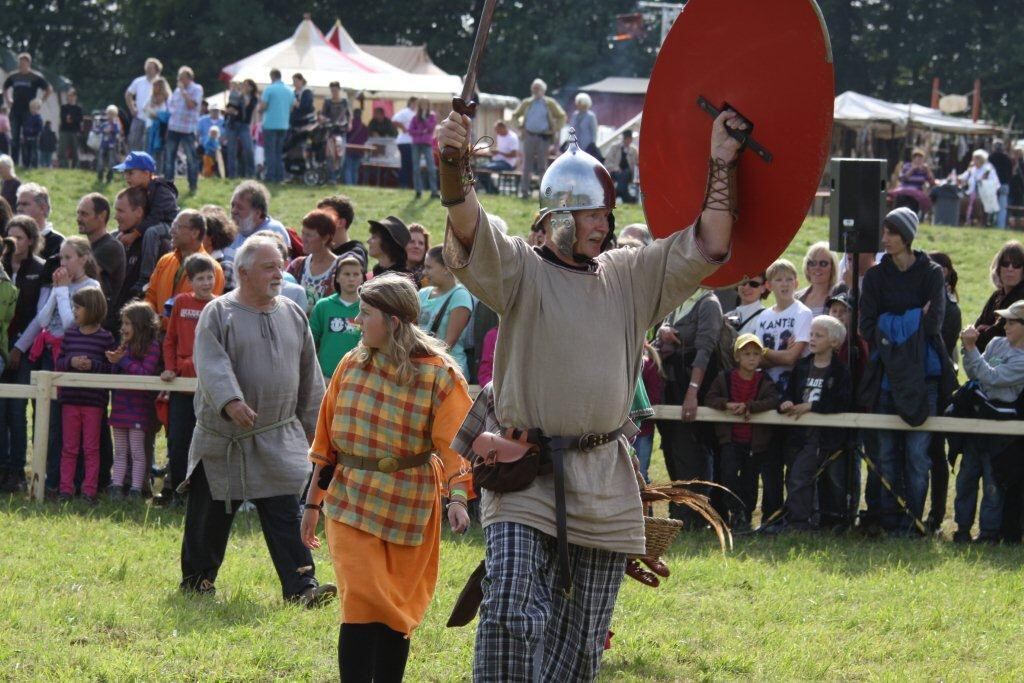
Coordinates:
[44,385]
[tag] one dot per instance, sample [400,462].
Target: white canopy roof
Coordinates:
[618,85]
[308,52]
[854,110]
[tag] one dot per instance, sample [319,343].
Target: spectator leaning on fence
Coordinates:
[1000,374]
[820,383]
[901,312]
[83,349]
[743,391]
[131,414]
[688,341]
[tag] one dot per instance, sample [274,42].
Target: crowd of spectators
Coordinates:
[729,350]
[128,300]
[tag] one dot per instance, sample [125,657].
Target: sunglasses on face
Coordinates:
[819,264]
[752,283]
[1011,264]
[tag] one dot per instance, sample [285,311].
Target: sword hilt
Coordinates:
[451,155]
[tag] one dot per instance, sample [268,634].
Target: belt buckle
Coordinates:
[388,465]
[587,442]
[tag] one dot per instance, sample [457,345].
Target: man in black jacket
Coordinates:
[820,383]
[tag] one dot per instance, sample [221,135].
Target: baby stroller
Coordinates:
[305,154]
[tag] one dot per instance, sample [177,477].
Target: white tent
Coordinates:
[308,52]
[886,119]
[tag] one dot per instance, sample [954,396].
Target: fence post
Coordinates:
[41,434]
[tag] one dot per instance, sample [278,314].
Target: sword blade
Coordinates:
[483,30]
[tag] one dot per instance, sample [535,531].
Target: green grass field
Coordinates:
[90,593]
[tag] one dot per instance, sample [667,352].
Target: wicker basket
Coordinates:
[660,533]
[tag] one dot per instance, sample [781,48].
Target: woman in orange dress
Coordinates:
[383,459]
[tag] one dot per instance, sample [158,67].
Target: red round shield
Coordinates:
[772,63]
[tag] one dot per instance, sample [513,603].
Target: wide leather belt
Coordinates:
[557,446]
[387,465]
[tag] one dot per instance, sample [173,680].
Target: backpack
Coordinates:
[297,249]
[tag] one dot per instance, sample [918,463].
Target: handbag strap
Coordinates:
[435,324]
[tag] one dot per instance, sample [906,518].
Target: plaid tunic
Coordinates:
[367,413]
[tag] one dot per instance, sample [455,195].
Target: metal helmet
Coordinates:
[575,181]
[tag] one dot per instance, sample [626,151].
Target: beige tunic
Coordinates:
[567,361]
[268,360]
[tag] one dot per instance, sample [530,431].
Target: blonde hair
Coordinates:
[824,248]
[83,248]
[111,109]
[836,330]
[35,105]
[782,265]
[394,295]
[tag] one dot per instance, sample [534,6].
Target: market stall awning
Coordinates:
[858,111]
[307,51]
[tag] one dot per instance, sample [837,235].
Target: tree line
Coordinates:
[887,48]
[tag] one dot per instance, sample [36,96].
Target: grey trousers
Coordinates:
[535,160]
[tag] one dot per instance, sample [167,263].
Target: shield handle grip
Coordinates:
[743,137]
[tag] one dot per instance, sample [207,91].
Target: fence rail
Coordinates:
[44,385]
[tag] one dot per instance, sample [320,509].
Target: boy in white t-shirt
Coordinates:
[785,328]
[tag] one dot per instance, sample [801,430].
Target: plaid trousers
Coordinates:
[529,630]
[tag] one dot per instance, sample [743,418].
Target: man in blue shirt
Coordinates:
[276,106]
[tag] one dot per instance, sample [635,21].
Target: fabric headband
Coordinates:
[381,306]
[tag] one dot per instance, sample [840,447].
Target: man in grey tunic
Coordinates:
[260,388]
[573,322]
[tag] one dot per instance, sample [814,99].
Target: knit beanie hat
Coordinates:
[903,221]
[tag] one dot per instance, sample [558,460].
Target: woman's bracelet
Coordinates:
[311,506]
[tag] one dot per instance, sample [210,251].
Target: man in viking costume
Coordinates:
[573,321]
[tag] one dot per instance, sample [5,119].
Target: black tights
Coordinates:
[371,652]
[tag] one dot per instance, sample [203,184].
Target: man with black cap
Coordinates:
[901,310]
[388,239]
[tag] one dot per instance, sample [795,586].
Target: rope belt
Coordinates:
[236,442]
[386,465]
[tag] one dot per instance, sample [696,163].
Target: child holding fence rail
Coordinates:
[201,271]
[83,350]
[132,411]
[42,338]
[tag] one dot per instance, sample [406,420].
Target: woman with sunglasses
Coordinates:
[752,292]
[1008,276]
[821,268]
